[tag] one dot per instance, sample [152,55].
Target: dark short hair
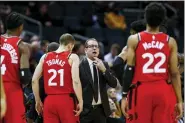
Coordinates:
[13,21]
[164,26]
[66,39]
[77,46]
[43,43]
[138,26]
[52,46]
[90,39]
[155,14]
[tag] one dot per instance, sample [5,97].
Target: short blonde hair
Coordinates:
[66,38]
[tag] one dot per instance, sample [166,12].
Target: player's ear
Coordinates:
[21,28]
[70,46]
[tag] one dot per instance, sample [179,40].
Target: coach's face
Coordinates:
[92,49]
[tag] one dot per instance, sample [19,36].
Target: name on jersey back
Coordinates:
[10,49]
[153,44]
[55,61]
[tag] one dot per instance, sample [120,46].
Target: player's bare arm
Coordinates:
[3,100]
[35,85]
[129,71]
[35,79]
[25,74]
[74,61]
[128,75]
[175,75]
[123,54]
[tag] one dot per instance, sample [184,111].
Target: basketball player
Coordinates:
[149,55]
[61,79]
[32,114]
[14,68]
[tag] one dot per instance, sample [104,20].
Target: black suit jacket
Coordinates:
[87,86]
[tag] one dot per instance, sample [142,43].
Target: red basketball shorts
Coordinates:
[15,112]
[149,103]
[59,109]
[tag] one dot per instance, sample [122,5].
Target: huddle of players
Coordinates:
[61,76]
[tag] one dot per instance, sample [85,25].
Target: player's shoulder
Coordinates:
[24,47]
[73,56]
[172,39]
[172,42]
[44,56]
[133,40]
[133,37]
[48,54]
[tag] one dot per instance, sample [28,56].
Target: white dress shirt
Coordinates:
[92,73]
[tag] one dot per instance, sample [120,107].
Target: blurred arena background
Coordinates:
[107,21]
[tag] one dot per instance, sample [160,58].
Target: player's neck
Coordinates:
[11,33]
[152,30]
[62,49]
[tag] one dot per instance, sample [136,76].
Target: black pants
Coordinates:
[93,115]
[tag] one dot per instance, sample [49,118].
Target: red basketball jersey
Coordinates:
[152,56]
[57,73]
[10,58]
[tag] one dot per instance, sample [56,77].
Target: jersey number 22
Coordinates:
[157,68]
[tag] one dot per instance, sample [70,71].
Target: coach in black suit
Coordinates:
[94,76]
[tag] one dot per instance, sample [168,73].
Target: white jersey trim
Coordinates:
[139,36]
[18,41]
[5,36]
[168,37]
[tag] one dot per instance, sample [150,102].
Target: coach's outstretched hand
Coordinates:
[179,110]
[39,108]
[79,109]
[124,107]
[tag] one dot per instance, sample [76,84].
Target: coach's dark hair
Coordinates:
[138,26]
[90,39]
[66,39]
[13,21]
[155,14]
